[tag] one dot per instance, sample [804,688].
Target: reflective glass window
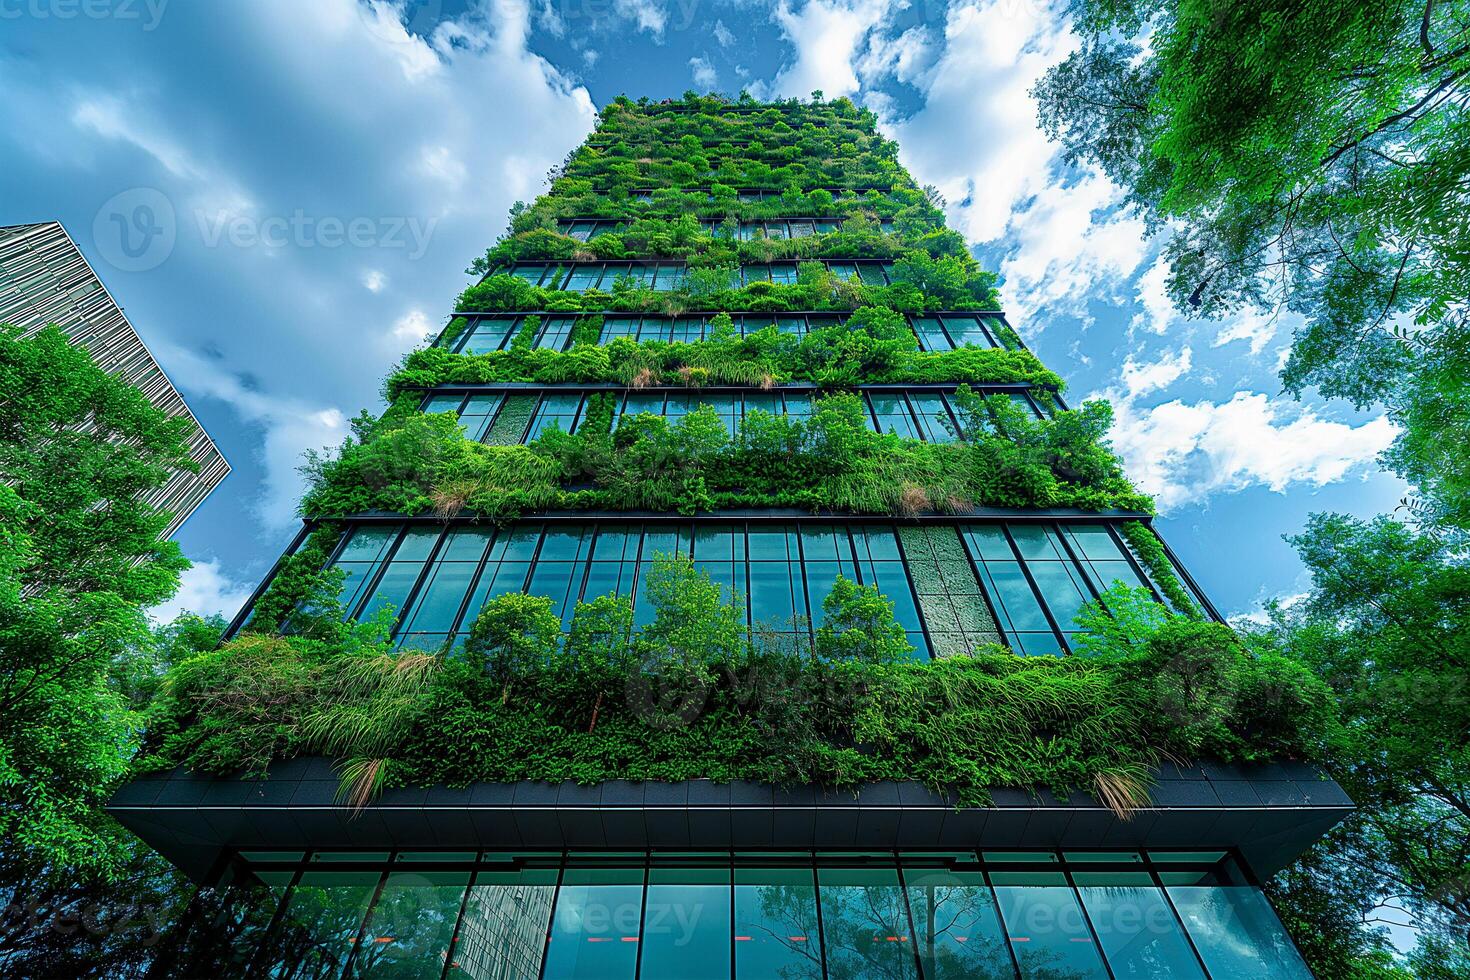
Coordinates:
[776,931]
[686,925]
[865,927]
[595,928]
[1140,935]
[488,335]
[412,924]
[957,931]
[1047,930]
[1237,933]
[319,927]
[503,932]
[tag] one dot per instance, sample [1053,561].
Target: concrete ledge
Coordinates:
[1270,813]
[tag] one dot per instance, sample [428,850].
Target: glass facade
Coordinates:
[729,916]
[492,332]
[928,415]
[953,586]
[585,229]
[666,276]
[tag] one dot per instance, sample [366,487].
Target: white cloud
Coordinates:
[589,58]
[722,34]
[373,280]
[413,327]
[206,591]
[905,58]
[649,15]
[828,36]
[1070,249]
[440,163]
[704,73]
[1140,378]
[1257,614]
[1182,452]
[289,426]
[117,119]
[1159,315]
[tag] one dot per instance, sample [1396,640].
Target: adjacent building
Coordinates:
[699,879]
[46,281]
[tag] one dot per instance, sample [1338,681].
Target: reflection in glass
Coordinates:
[1237,933]
[503,933]
[776,935]
[412,926]
[1139,934]
[319,929]
[686,925]
[595,930]
[956,929]
[1045,926]
[865,925]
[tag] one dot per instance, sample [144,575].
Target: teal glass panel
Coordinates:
[989,543]
[442,403]
[865,928]
[1012,593]
[686,925]
[957,931]
[436,606]
[412,926]
[392,588]
[1140,935]
[1046,927]
[595,928]
[1237,933]
[776,933]
[319,929]
[1063,595]
[502,935]
[368,543]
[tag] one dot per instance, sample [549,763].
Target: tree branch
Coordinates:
[1398,117]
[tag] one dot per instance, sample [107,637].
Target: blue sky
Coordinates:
[325,171]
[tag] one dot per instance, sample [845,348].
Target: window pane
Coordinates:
[595,930]
[686,931]
[1236,932]
[776,925]
[1046,927]
[503,932]
[412,925]
[1139,933]
[865,925]
[956,928]
[1063,596]
[323,915]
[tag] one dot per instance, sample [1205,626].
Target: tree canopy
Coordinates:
[1310,158]
[80,561]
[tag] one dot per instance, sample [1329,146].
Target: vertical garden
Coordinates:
[729,465]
